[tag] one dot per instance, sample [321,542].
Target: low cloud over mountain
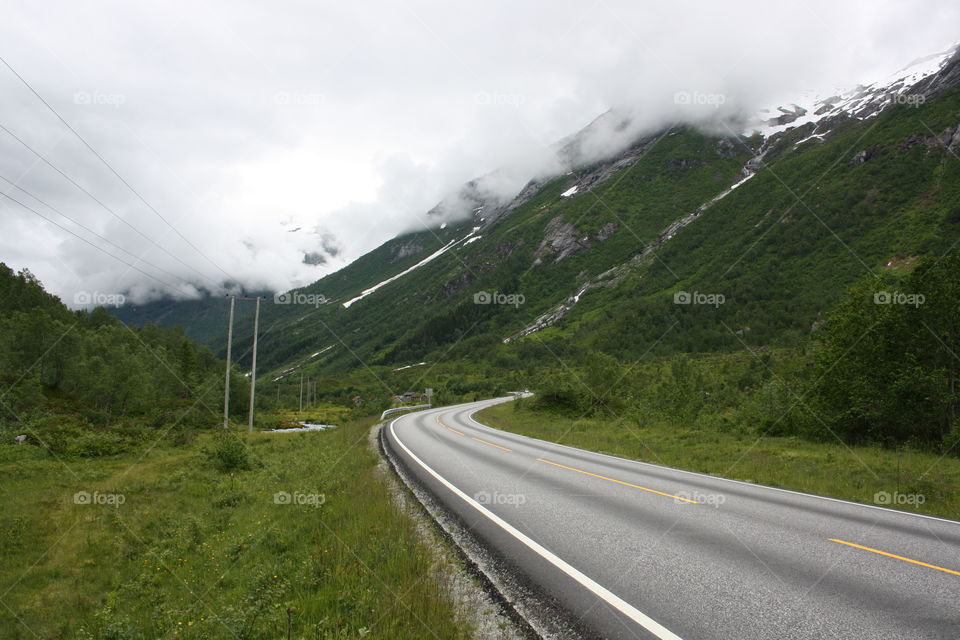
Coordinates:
[352,122]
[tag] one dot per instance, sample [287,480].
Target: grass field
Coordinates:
[921,482]
[219,538]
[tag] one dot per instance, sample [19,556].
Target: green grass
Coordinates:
[835,470]
[195,552]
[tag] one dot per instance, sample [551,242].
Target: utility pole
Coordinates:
[226,386]
[253,374]
[301,392]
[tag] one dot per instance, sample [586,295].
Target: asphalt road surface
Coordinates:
[634,550]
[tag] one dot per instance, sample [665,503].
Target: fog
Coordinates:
[279,143]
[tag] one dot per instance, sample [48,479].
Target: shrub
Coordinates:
[229,453]
[95,445]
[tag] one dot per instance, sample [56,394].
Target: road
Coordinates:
[634,550]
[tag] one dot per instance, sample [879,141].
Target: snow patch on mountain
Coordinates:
[429,258]
[283,374]
[410,366]
[862,102]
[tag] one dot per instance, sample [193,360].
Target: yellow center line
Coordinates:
[491,444]
[891,555]
[437,418]
[635,486]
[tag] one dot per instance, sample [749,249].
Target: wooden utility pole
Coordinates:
[253,374]
[226,386]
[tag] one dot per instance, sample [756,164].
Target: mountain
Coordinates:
[684,240]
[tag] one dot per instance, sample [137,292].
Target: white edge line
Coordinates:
[708,476]
[601,592]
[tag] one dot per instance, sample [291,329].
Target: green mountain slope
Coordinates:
[85,384]
[599,269]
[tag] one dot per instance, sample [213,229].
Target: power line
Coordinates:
[88,229]
[112,170]
[116,215]
[98,248]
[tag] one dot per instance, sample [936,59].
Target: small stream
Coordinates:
[307,426]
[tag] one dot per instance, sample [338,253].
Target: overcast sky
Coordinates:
[240,122]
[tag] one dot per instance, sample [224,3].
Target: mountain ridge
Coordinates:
[610,229]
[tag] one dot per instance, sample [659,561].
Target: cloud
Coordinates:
[240,123]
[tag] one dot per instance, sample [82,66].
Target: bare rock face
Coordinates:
[947,78]
[862,156]
[405,251]
[787,115]
[952,137]
[561,239]
[606,231]
[911,142]
[946,140]
[474,268]
[726,149]
[679,163]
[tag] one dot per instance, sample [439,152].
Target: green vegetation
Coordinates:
[127,514]
[867,407]
[781,249]
[882,370]
[820,369]
[321,414]
[193,541]
[85,384]
[797,347]
[865,474]
[888,369]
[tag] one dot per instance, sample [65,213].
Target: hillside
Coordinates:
[597,255]
[84,384]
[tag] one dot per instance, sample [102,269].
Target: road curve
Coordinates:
[634,550]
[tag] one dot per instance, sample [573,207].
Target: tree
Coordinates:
[888,367]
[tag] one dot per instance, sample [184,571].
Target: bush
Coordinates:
[95,445]
[229,453]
